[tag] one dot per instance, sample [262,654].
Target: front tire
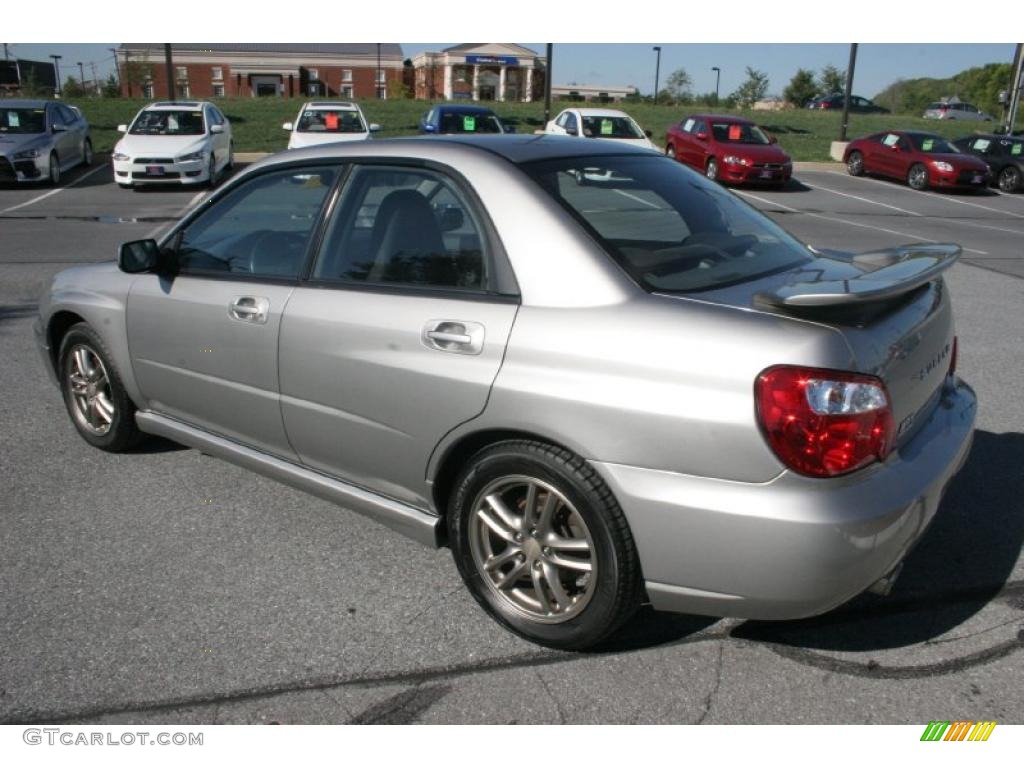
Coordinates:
[54,169]
[543,546]
[711,171]
[917,177]
[96,399]
[1009,179]
[87,153]
[211,171]
[670,151]
[855,164]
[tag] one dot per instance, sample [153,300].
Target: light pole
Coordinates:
[56,67]
[169,64]
[718,77]
[376,75]
[657,71]
[547,82]
[81,75]
[848,91]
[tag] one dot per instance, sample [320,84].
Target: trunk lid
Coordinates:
[892,308]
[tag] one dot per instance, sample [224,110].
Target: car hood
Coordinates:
[16,142]
[759,153]
[298,140]
[160,146]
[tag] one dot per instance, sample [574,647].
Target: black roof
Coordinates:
[525,148]
[325,49]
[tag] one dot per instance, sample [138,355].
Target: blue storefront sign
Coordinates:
[511,61]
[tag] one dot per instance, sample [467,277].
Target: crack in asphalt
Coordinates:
[709,699]
[403,708]
[1009,593]
[558,706]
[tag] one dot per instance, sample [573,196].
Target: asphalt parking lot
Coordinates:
[167,586]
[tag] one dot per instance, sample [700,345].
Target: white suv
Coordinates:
[325,122]
[174,142]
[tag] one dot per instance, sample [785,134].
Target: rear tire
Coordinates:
[94,396]
[917,177]
[1009,179]
[855,164]
[564,570]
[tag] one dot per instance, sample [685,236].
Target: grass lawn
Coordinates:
[803,133]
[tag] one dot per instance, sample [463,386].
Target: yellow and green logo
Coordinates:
[958,730]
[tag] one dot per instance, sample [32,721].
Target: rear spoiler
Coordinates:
[887,274]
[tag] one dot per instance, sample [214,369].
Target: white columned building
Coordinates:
[477,72]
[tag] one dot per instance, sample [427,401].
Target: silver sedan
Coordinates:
[597,377]
[39,140]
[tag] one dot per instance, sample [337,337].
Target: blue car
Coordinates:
[461,118]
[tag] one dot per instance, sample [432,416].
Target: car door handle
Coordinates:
[463,337]
[249,309]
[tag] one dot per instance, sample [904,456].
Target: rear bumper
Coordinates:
[794,546]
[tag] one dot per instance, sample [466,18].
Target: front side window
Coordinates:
[670,229]
[169,122]
[22,120]
[260,229]
[331,121]
[409,227]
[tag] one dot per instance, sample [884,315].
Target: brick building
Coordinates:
[213,70]
[480,72]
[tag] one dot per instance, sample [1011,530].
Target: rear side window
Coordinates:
[669,228]
[404,226]
[260,229]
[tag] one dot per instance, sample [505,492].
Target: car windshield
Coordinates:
[14,120]
[469,122]
[933,145]
[609,127]
[169,122]
[669,228]
[739,133]
[331,121]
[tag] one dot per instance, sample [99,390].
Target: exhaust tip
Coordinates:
[885,584]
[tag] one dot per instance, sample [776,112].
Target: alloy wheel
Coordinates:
[1009,179]
[855,164]
[712,169]
[89,385]
[532,549]
[918,177]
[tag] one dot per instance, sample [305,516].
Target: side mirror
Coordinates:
[772,139]
[895,147]
[216,129]
[508,128]
[702,136]
[58,128]
[374,127]
[648,134]
[428,128]
[572,131]
[122,128]
[288,126]
[138,256]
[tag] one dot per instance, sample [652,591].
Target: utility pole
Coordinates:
[849,90]
[547,85]
[5,52]
[1016,85]
[657,71]
[718,77]
[56,67]
[376,75]
[117,68]
[95,80]
[169,60]
[81,75]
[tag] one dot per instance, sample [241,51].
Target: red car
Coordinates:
[921,159]
[728,148]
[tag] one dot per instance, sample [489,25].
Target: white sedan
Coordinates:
[174,142]
[323,122]
[596,123]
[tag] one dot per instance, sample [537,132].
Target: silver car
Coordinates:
[597,377]
[955,110]
[39,140]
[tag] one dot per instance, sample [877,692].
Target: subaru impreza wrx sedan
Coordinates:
[598,377]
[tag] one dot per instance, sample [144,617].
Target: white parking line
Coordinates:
[931,195]
[53,192]
[959,222]
[918,238]
[638,199]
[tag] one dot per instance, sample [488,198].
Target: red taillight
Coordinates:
[824,423]
[952,359]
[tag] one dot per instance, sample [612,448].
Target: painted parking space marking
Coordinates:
[918,238]
[53,192]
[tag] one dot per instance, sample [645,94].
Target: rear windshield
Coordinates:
[670,228]
[932,145]
[13,120]
[608,127]
[331,121]
[169,122]
[469,122]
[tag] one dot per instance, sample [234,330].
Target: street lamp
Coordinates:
[657,71]
[718,77]
[56,66]
[376,75]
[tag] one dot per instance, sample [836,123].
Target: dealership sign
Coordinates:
[512,61]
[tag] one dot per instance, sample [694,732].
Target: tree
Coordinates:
[831,80]
[679,85]
[137,72]
[752,89]
[801,88]
[73,89]
[111,88]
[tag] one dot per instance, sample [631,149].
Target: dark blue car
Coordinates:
[461,118]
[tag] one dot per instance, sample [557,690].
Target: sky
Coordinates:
[878,64]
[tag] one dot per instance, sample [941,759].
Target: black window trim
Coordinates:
[500,272]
